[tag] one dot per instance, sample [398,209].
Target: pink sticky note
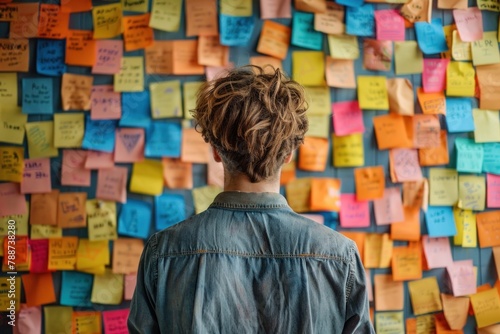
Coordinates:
[109,55]
[437,251]
[36,176]
[469,23]
[405,165]
[112,184]
[98,159]
[115,322]
[493,191]
[39,255]
[106,103]
[390,25]
[353,213]
[434,75]
[462,278]
[389,209]
[29,320]
[274,9]
[12,202]
[317,218]
[129,145]
[73,168]
[215,72]
[129,286]
[347,118]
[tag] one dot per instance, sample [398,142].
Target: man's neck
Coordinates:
[241,183]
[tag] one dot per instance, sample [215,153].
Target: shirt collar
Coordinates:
[236,199]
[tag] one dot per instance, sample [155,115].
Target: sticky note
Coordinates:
[462,277]
[37,96]
[388,293]
[308,68]
[75,91]
[43,208]
[12,202]
[36,176]
[343,46]
[489,87]
[487,225]
[434,156]
[107,21]
[409,230]
[440,221]
[460,50]
[71,210]
[404,165]
[485,50]
[459,115]
[271,9]
[76,288]
[318,100]
[455,310]
[274,39]
[169,210]
[408,58]
[415,193]
[372,92]
[469,155]
[39,255]
[424,295]
[137,33]
[108,56]
[69,130]
[377,55]
[431,103]
[311,6]
[177,174]
[9,88]
[353,213]
[434,247]
[165,15]
[73,170]
[389,208]
[469,23]
[99,135]
[426,131]
[331,21]
[406,264]
[390,26]
[14,55]
[348,151]
[313,154]
[78,42]
[486,306]
[303,33]
[101,220]
[471,192]
[460,79]
[340,73]
[112,183]
[298,194]
[211,52]
[235,30]
[493,188]
[45,231]
[11,163]
[57,319]
[39,289]
[443,186]
[27,12]
[389,322]
[370,183]
[147,177]
[160,57]
[201,18]
[135,219]
[130,78]
[347,118]
[417,10]
[486,125]
[53,23]
[360,20]
[189,92]
[390,131]
[136,109]
[62,253]
[76,6]
[434,74]
[325,194]
[115,321]
[40,140]
[98,160]
[105,103]
[126,254]
[91,255]
[166,99]
[430,36]
[401,96]
[86,321]
[13,129]
[50,57]
[194,149]
[129,145]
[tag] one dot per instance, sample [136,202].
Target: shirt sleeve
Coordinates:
[142,317]
[357,306]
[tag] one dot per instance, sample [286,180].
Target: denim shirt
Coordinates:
[249,264]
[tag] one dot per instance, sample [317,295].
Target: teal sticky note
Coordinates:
[76,289]
[491,159]
[440,221]
[303,33]
[430,36]
[136,110]
[236,30]
[459,114]
[135,219]
[38,96]
[163,139]
[360,21]
[169,210]
[469,155]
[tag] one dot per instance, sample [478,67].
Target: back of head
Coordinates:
[253,118]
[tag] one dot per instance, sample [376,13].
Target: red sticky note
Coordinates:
[39,255]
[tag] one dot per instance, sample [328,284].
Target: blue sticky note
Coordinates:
[469,155]
[430,36]
[99,135]
[459,114]
[136,110]
[169,210]
[76,289]
[303,33]
[236,30]
[38,96]
[491,159]
[163,139]
[135,219]
[440,221]
[360,21]
[50,57]
[350,3]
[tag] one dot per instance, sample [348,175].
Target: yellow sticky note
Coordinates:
[58,319]
[298,193]
[460,216]
[318,99]
[166,99]
[236,8]
[147,177]
[372,92]
[8,92]
[408,58]
[140,6]
[485,51]
[130,78]
[6,294]
[443,185]
[40,137]
[107,288]
[190,89]
[343,46]
[107,20]
[425,296]
[309,68]
[319,126]
[348,151]
[204,196]
[389,322]
[471,192]
[101,219]
[21,225]
[469,231]
[45,231]
[486,125]
[11,163]
[460,79]
[62,253]
[92,256]
[486,305]
[12,126]
[460,50]
[69,130]
[165,15]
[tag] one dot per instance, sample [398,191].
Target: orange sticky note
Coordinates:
[488,227]
[159,57]
[27,12]
[431,103]
[76,6]
[390,131]
[194,149]
[312,6]
[489,87]
[274,39]
[185,58]
[43,208]
[388,293]
[177,174]
[406,264]
[264,61]
[325,194]
[75,91]
[288,173]
[126,255]
[415,193]
[370,183]
[455,310]
[201,18]
[435,156]
[401,97]
[211,52]
[39,289]
[53,23]
[313,154]
[80,48]
[14,55]
[358,238]
[137,33]
[340,73]
[426,131]
[409,229]
[71,210]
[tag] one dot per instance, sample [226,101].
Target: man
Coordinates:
[249,264]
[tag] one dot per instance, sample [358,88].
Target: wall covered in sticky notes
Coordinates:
[98,149]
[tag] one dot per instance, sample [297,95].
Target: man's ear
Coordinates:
[289,158]
[216,155]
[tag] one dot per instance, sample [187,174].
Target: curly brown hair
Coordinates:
[254,118]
